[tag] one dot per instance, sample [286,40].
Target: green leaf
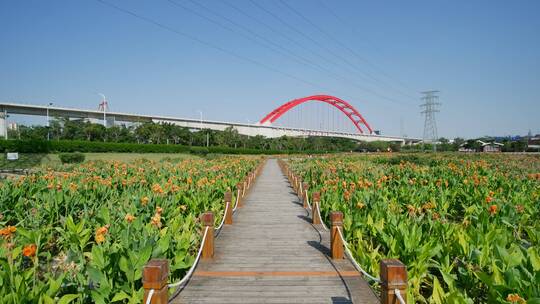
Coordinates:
[65,299]
[120,296]
[534,257]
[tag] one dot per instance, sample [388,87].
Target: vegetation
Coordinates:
[467,228]
[167,134]
[82,233]
[71,158]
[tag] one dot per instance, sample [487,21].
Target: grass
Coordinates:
[30,160]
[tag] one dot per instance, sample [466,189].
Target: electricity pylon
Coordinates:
[430,108]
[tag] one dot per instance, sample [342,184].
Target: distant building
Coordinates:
[534,142]
[490,147]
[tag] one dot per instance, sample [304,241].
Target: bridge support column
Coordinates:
[228,208]
[393,276]
[155,277]
[316,211]
[207,219]
[305,187]
[336,244]
[3,124]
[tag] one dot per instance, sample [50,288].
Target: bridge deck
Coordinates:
[272,254]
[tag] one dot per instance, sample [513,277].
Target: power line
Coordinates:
[352,29]
[331,37]
[348,64]
[208,44]
[273,46]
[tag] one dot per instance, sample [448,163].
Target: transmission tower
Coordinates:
[430,104]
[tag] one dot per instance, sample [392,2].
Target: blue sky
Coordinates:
[484,57]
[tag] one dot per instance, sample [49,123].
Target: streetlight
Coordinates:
[48,122]
[104,105]
[201,126]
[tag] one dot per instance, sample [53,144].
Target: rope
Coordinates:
[190,272]
[150,294]
[399,297]
[223,219]
[320,218]
[350,256]
[237,200]
[307,200]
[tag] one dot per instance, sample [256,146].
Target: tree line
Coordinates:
[168,133]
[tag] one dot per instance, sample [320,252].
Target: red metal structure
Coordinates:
[342,105]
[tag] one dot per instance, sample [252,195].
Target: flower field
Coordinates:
[467,227]
[82,234]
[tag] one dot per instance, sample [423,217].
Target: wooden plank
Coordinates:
[273,254]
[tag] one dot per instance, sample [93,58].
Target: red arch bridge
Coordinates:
[317,115]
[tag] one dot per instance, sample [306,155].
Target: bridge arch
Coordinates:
[354,116]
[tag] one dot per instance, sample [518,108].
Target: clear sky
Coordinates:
[236,60]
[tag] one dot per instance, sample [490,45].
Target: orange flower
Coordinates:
[73,186]
[29,250]
[129,218]
[360,205]
[489,199]
[144,200]
[156,188]
[100,234]
[159,210]
[515,298]
[492,209]
[7,231]
[156,220]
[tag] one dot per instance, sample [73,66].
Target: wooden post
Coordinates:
[155,276]
[228,207]
[239,187]
[305,186]
[336,244]
[208,246]
[315,219]
[393,276]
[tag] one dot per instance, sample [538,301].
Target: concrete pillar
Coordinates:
[3,124]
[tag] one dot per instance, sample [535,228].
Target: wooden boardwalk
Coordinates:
[272,254]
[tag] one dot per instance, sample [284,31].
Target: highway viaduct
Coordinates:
[269,131]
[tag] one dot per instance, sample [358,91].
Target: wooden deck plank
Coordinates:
[272,254]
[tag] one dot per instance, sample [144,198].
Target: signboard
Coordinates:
[12,156]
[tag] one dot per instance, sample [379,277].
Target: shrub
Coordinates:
[71,158]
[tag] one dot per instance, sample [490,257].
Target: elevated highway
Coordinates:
[269,131]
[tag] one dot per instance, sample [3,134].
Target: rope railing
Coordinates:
[320,218]
[237,200]
[397,292]
[155,273]
[353,260]
[218,229]
[393,273]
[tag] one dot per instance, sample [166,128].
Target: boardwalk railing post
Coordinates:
[228,208]
[208,246]
[305,186]
[239,187]
[315,219]
[155,277]
[336,244]
[393,276]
